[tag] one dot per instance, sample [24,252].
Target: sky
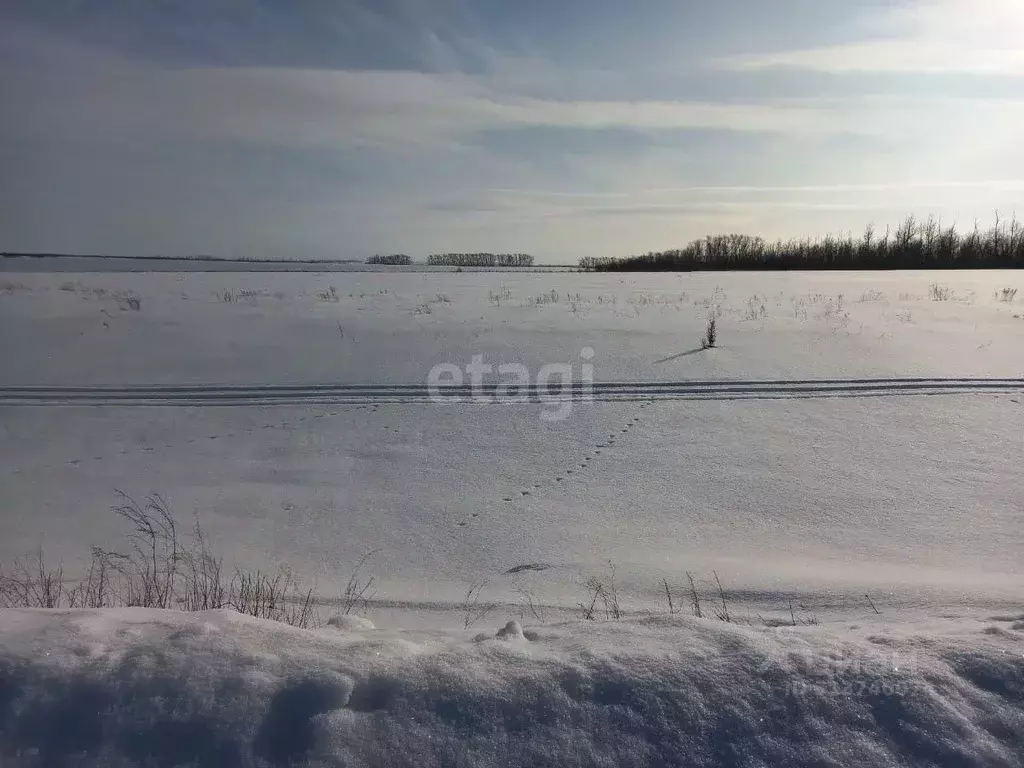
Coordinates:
[340,129]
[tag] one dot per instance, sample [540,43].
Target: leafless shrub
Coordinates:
[148,573]
[1006,295]
[938,292]
[529,604]
[9,286]
[835,308]
[358,594]
[757,308]
[277,597]
[94,591]
[668,595]
[127,301]
[496,297]
[871,603]
[721,611]
[599,590]
[472,609]
[806,621]
[710,337]
[32,585]
[587,609]
[329,295]
[162,571]
[611,596]
[694,597]
[202,573]
[551,297]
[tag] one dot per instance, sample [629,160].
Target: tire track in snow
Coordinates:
[362,394]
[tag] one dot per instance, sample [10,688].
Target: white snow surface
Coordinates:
[146,687]
[911,496]
[834,486]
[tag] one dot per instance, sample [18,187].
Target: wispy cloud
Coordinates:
[322,108]
[927,36]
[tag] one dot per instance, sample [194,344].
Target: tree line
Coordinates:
[912,245]
[480,260]
[392,259]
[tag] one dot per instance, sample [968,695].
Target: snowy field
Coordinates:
[848,458]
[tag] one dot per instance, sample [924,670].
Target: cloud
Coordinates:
[323,108]
[926,36]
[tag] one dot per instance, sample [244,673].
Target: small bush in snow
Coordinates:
[551,297]
[128,301]
[277,597]
[496,297]
[710,337]
[472,609]
[162,570]
[757,308]
[330,295]
[358,591]
[1006,295]
[32,585]
[603,592]
[872,295]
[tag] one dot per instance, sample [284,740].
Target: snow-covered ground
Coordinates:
[144,687]
[851,434]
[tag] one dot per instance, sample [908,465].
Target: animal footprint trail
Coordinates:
[575,472]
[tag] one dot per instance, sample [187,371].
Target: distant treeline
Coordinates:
[197,257]
[480,260]
[913,245]
[392,259]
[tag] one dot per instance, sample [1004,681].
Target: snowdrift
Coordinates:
[136,686]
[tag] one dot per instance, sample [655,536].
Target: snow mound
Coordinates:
[135,686]
[350,623]
[511,631]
